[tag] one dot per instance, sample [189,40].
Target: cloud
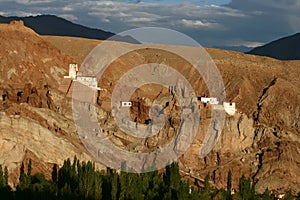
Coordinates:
[239,42]
[67,9]
[270,19]
[266,5]
[30,2]
[140,19]
[198,23]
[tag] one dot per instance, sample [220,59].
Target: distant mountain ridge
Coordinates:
[287,48]
[53,25]
[240,48]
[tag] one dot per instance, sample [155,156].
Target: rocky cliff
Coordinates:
[36,119]
[261,140]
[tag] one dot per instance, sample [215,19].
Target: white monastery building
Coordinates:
[210,100]
[229,108]
[125,103]
[73,69]
[89,81]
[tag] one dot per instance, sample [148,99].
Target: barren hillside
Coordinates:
[253,142]
[36,120]
[261,141]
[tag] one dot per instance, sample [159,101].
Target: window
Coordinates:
[19,95]
[4,97]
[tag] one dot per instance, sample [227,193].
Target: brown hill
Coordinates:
[78,48]
[31,119]
[247,79]
[261,141]
[253,142]
[27,58]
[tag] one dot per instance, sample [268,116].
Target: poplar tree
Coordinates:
[229,185]
[5,180]
[1,177]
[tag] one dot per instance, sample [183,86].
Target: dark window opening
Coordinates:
[19,95]
[167,104]
[4,97]
[48,93]
[147,121]
[170,121]
[33,91]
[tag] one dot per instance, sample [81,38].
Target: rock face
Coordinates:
[26,58]
[261,141]
[255,141]
[33,123]
[20,135]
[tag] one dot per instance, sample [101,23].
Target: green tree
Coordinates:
[172,181]
[266,195]
[64,177]
[87,179]
[123,178]
[246,188]
[80,180]
[206,192]
[206,183]
[5,181]
[54,173]
[1,177]
[23,181]
[29,168]
[229,185]
[288,196]
[98,185]
[183,192]
[115,186]
[65,191]
[175,176]
[106,186]
[156,186]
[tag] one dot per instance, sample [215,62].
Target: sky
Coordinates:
[212,23]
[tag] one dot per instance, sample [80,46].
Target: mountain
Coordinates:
[27,58]
[260,141]
[53,25]
[234,48]
[31,68]
[286,48]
